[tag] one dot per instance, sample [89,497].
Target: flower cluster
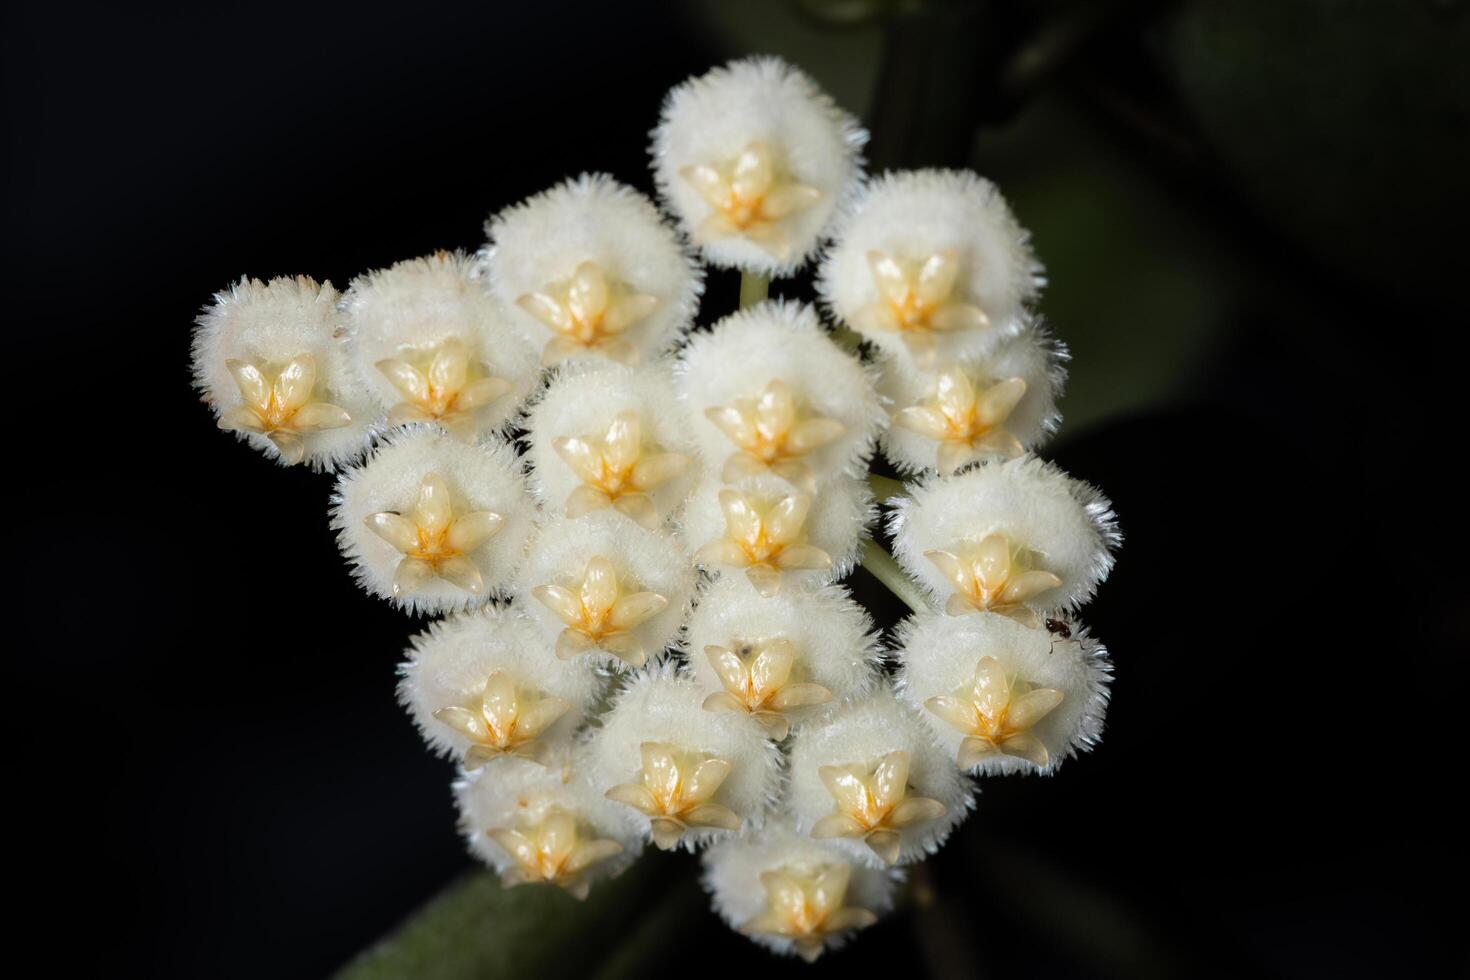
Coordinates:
[636,530]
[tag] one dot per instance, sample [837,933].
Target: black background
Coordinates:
[214,779]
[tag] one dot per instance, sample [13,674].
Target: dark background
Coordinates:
[1253,216]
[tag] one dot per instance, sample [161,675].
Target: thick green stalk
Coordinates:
[754,287]
[881,566]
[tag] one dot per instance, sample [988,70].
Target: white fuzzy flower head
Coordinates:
[433,523]
[873,781]
[269,360]
[535,824]
[1001,697]
[605,588]
[754,159]
[776,536]
[768,392]
[608,436]
[791,894]
[483,684]
[779,659]
[433,347]
[1019,538]
[684,775]
[590,269]
[997,405]
[930,263]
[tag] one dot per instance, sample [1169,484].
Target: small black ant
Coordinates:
[1059,631]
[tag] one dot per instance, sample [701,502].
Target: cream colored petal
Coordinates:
[631,610]
[433,510]
[742,520]
[989,688]
[405,377]
[772,239]
[599,587]
[1024,615]
[547,310]
[804,557]
[784,894]
[764,579]
[992,561]
[587,296]
[253,386]
[584,500]
[742,466]
[800,696]
[772,665]
[728,667]
[889,277]
[954,393]
[477,755]
[579,888]
[721,551]
[837,825]
[625,646]
[639,508]
[464,721]
[500,704]
[998,442]
[397,530]
[974,751]
[658,469]
[775,409]
[450,368]
[885,844]
[784,521]
[927,422]
[290,445]
[937,277]
[407,413]
[706,180]
[294,384]
[875,318]
[775,724]
[753,172]
[995,404]
[538,716]
[951,567]
[848,918]
[809,949]
[723,701]
[705,780]
[462,572]
[1028,585]
[241,417]
[733,423]
[579,454]
[410,575]
[847,786]
[563,602]
[587,853]
[1031,707]
[626,310]
[915,809]
[471,530]
[788,199]
[952,455]
[958,713]
[665,832]
[660,769]
[813,434]
[712,815]
[479,393]
[959,604]
[829,887]
[559,349]
[958,316]
[635,796]
[890,779]
[714,227]
[573,643]
[317,416]
[623,442]
[1024,745]
[520,847]
[920,344]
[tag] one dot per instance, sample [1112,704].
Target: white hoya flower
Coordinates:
[604,586]
[685,775]
[1019,538]
[1001,697]
[770,533]
[536,824]
[791,894]
[433,523]
[779,659]
[930,262]
[999,404]
[269,360]
[754,159]
[768,391]
[482,684]
[873,781]
[433,347]
[590,268]
[604,435]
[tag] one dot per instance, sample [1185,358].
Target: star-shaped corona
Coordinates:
[916,300]
[967,424]
[599,615]
[554,851]
[507,719]
[281,408]
[873,804]
[748,197]
[618,470]
[764,538]
[440,385]
[805,905]
[773,434]
[993,576]
[673,789]
[588,313]
[996,715]
[756,675]
[434,540]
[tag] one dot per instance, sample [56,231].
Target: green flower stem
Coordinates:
[885,488]
[754,287]
[881,566]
